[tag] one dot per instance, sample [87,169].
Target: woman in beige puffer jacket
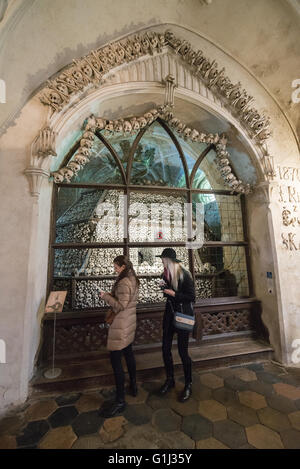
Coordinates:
[122,319]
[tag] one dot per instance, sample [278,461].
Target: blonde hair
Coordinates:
[176,270]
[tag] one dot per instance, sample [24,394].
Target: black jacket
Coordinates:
[184,294]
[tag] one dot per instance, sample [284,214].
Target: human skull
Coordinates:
[194,135]
[202,137]
[174,122]
[91,123]
[223,139]
[68,174]
[80,159]
[149,117]
[62,88]
[100,123]
[225,170]
[109,126]
[187,132]
[86,143]
[87,70]
[142,121]
[210,138]
[55,98]
[223,162]
[77,75]
[127,127]
[154,112]
[180,127]
[58,177]
[229,177]
[118,126]
[135,124]
[84,151]
[75,167]
[88,135]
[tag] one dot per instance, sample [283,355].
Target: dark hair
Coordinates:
[123,260]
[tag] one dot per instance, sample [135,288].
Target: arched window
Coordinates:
[130,199]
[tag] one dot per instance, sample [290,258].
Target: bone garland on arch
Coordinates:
[133,125]
[91,69]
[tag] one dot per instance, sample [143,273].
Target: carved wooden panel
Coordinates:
[226,321]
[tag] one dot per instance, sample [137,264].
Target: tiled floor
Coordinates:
[250,406]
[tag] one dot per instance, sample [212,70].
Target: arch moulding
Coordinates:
[141,64]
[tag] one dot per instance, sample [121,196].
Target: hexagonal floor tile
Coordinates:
[266,377]
[140,398]
[262,437]
[244,374]
[40,410]
[262,388]
[211,380]
[281,403]
[58,438]
[138,414]
[235,383]
[165,420]
[291,439]
[88,402]
[210,443]
[230,433]
[294,418]
[273,419]
[87,423]
[252,399]
[212,410]
[33,433]
[287,390]
[197,427]
[63,416]
[8,442]
[189,407]
[241,414]
[225,395]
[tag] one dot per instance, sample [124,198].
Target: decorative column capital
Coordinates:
[42,150]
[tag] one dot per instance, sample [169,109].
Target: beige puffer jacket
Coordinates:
[122,331]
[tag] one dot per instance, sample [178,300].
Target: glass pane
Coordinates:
[157,160]
[222,216]
[149,291]
[121,144]
[191,150]
[156,217]
[221,271]
[90,262]
[85,215]
[68,262]
[101,169]
[145,262]
[213,178]
[87,293]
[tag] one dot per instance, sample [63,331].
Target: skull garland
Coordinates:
[133,125]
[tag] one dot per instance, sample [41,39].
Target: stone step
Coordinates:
[95,373]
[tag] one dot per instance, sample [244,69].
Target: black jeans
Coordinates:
[182,343]
[116,362]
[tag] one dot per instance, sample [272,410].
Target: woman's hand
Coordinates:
[169,292]
[102,293]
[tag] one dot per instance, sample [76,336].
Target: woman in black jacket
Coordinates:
[179,288]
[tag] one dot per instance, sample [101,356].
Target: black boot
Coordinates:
[186,393]
[167,386]
[115,408]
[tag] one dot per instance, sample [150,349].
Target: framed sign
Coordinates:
[55,302]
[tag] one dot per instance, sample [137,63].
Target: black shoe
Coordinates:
[169,384]
[133,390]
[186,393]
[116,408]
